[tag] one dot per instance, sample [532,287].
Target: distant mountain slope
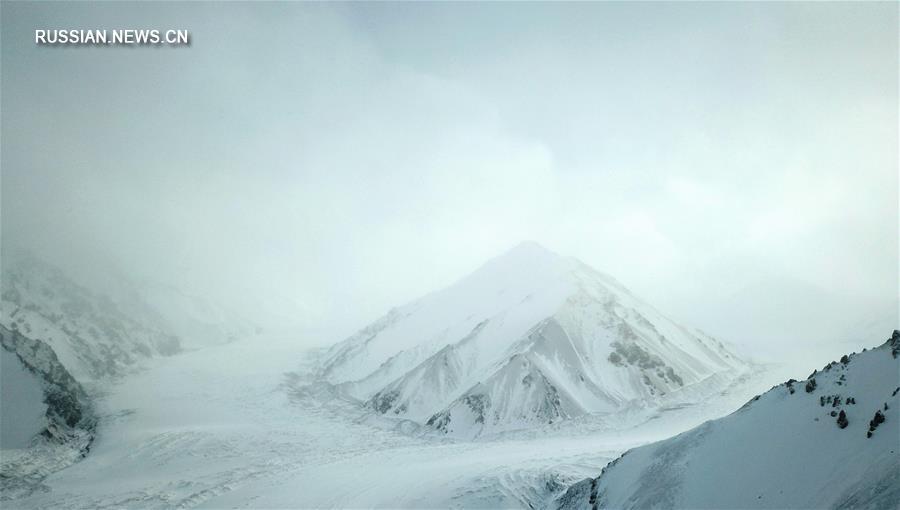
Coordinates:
[529,338]
[831,441]
[197,321]
[90,334]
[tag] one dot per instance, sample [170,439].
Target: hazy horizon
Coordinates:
[314,165]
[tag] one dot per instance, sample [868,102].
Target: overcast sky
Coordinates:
[734,164]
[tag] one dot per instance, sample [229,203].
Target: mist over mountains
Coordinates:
[286,265]
[509,387]
[387,163]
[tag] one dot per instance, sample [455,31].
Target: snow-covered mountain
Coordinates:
[89,332]
[47,421]
[831,441]
[530,338]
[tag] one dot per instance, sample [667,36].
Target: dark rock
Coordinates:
[876,420]
[842,420]
[383,402]
[70,421]
[68,406]
[811,385]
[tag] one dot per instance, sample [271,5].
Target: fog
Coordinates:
[313,165]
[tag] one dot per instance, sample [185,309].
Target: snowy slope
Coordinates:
[831,441]
[225,427]
[529,338]
[90,334]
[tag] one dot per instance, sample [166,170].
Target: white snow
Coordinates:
[783,450]
[225,427]
[590,347]
[261,423]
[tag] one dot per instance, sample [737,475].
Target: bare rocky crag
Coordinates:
[69,425]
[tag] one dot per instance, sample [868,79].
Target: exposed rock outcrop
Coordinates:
[69,422]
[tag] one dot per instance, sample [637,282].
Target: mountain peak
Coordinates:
[528,256]
[530,249]
[528,304]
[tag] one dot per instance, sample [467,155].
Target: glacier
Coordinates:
[246,424]
[568,368]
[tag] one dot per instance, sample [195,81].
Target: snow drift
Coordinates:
[528,339]
[830,441]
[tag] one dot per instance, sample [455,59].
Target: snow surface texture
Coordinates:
[53,441]
[529,339]
[91,336]
[831,441]
[242,425]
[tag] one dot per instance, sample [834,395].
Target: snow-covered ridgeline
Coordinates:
[830,441]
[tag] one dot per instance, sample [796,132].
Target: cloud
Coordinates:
[313,163]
